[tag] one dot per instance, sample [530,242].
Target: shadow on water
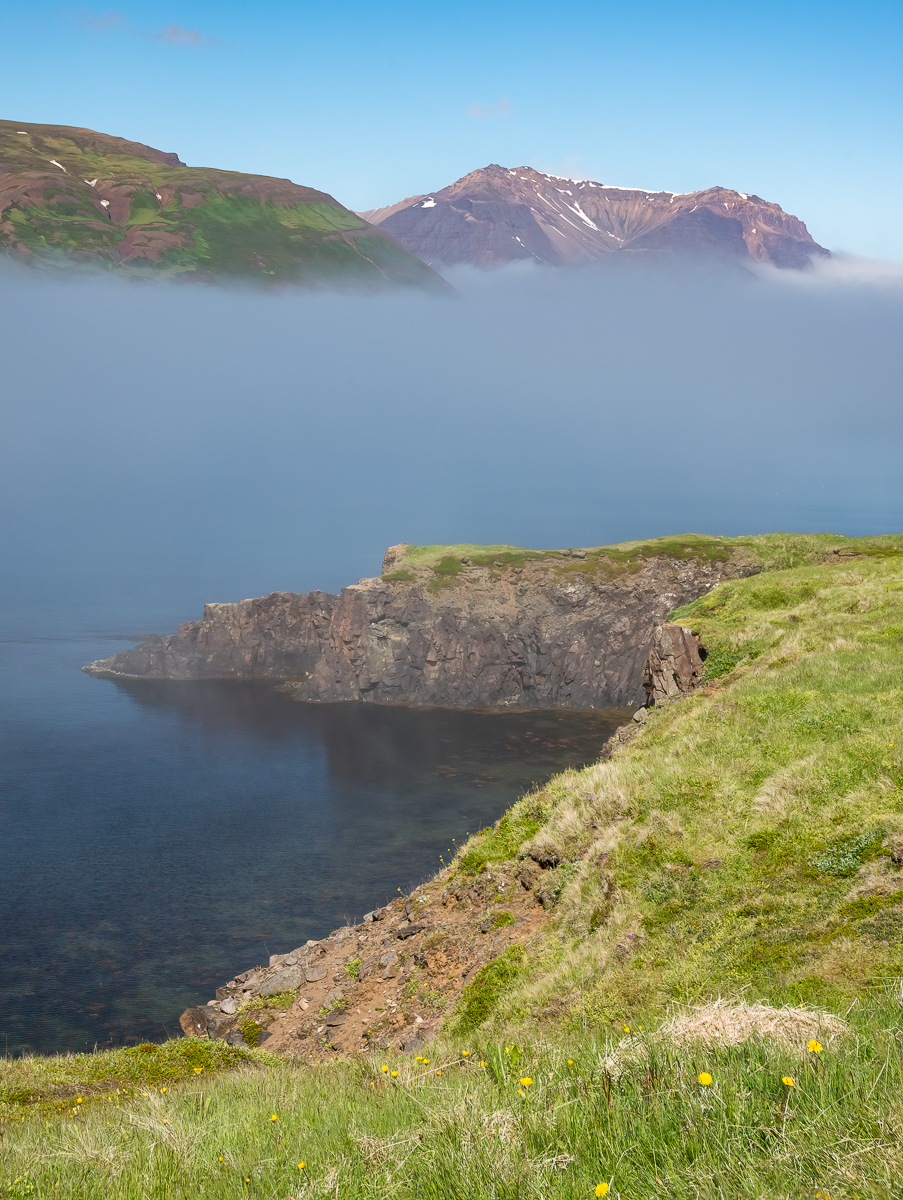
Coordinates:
[372,743]
[151,856]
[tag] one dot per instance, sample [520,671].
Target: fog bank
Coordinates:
[165,445]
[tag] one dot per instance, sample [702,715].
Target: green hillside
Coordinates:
[712,1006]
[73,195]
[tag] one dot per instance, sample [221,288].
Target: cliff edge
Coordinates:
[461,626]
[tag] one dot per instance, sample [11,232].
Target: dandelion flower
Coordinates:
[438,1072]
[162,1089]
[394,1074]
[425,1061]
[197,1070]
[570,1062]
[274,1117]
[465,1053]
[601,1189]
[384,1069]
[521,1092]
[301,1165]
[815,1047]
[704,1078]
[482,1063]
[788,1081]
[78,1100]
[627,1029]
[526,1081]
[221,1158]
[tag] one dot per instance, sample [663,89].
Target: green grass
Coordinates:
[730,846]
[451,1128]
[36,1085]
[773,552]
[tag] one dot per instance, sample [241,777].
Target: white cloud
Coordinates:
[501,109]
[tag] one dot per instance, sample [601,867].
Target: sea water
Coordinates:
[159,837]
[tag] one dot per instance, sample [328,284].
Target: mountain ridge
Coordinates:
[501,214]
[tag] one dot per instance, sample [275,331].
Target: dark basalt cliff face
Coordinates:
[565,629]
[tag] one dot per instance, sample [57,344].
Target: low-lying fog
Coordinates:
[170,444]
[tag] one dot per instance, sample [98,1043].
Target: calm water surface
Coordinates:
[159,837]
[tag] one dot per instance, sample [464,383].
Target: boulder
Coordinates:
[289,979]
[407,931]
[194,1022]
[674,666]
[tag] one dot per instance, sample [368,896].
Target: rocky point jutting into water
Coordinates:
[492,626]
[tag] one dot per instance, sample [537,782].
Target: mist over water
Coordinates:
[167,445]
[186,443]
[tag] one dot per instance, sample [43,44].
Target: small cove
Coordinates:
[160,837]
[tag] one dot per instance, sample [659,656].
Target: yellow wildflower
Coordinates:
[521,1092]
[786,1079]
[465,1053]
[162,1089]
[79,1100]
[704,1078]
[384,1069]
[601,1189]
[526,1081]
[274,1117]
[627,1029]
[482,1063]
[301,1165]
[570,1062]
[394,1074]
[815,1047]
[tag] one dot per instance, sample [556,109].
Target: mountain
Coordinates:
[70,195]
[498,215]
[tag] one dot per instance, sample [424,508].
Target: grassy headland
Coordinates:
[747,847]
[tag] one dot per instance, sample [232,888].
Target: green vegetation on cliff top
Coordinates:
[772,551]
[748,846]
[73,195]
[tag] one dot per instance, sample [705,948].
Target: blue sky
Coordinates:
[796,102]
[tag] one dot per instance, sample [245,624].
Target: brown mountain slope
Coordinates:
[498,215]
[74,195]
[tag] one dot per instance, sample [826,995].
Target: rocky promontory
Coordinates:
[468,627]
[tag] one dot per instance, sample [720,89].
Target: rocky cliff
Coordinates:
[498,214]
[496,626]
